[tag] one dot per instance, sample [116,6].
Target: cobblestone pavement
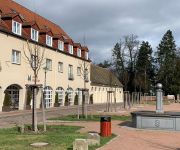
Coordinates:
[129,138]
[9,119]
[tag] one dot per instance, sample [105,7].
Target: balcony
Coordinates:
[86,79]
[70,77]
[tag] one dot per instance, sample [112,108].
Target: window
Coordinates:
[60,92]
[78,71]
[86,75]
[16,57]
[34,61]
[70,72]
[34,34]
[16,27]
[70,47]
[79,52]
[86,55]
[60,67]
[70,96]
[49,64]
[48,97]
[61,45]
[49,40]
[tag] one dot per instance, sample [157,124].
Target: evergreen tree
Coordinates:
[105,64]
[144,68]
[166,52]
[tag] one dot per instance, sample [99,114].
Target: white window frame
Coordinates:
[16,27]
[70,96]
[48,97]
[70,72]
[60,67]
[60,45]
[78,71]
[48,40]
[16,57]
[86,55]
[34,35]
[49,64]
[79,52]
[60,92]
[34,59]
[70,49]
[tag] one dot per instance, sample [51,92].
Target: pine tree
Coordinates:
[144,68]
[166,52]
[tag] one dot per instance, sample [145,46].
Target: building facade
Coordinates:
[105,87]
[61,70]
[30,41]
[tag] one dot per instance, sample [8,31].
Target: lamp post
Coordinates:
[43,99]
[45,74]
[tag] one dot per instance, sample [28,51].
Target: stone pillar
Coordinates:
[22,95]
[1,98]
[159,98]
[38,97]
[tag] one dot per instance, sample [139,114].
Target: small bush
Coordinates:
[76,100]
[7,100]
[28,101]
[56,98]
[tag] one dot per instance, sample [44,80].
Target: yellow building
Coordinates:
[64,71]
[105,87]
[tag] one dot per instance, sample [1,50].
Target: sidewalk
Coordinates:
[136,139]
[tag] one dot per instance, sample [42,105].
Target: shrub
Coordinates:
[76,100]
[56,98]
[7,100]
[66,103]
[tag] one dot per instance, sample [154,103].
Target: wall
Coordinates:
[18,74]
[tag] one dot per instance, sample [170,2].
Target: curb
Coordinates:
[108,142]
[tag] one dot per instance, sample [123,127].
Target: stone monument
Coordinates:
[157,120]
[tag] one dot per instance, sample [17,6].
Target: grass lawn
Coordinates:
[90,118]
[58,137]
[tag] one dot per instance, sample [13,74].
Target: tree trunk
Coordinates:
[35,112]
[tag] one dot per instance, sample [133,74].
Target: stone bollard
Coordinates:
[159,98]
[80,144]
[93,138]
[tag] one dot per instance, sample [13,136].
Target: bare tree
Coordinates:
[35,57]
[84,66]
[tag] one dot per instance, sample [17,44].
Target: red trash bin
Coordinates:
[105,126]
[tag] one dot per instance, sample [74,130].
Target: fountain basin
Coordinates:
[156,121]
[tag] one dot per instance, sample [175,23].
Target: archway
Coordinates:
[13,91]
[91,99]
[60,92]
[69,97]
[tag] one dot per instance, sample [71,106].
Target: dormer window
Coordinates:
[34,35]
[79,52]
[86,55]
[49,40]
[70,48]
[61,45]
[16,27]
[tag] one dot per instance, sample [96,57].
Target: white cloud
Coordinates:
[105,21]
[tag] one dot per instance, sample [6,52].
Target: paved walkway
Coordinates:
[135,139]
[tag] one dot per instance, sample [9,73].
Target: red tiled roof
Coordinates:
[10,7]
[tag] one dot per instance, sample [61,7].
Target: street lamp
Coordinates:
[43,99]
[44,92]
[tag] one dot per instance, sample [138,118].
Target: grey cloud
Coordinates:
[103,22]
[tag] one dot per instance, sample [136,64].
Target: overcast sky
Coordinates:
[103,22]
